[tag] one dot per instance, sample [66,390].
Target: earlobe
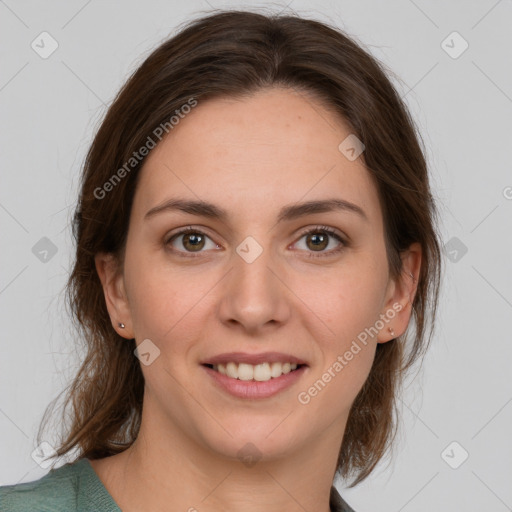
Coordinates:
[112,281]
[398,307]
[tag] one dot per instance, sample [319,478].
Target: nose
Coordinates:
[255,297]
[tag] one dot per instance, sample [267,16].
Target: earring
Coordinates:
[391,331]
[121,325]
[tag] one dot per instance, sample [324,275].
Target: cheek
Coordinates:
[332,388]
[347,349]
[348,300]
[348,304]
[161,298]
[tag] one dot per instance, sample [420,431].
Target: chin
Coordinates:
[252,441]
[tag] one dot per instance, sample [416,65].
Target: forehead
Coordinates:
[255,154]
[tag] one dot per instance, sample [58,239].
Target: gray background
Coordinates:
[463,106]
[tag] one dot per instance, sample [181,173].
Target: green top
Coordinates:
[71,487]
[75,487]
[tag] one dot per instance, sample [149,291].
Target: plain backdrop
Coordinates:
[454,63]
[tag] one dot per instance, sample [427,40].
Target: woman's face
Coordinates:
[251,280]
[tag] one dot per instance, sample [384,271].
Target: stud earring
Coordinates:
[121,325]
[391,331]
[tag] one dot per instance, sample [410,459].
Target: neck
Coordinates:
[172,468]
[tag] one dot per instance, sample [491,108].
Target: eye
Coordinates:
[318,239]
[192,240]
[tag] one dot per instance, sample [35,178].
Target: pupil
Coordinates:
[194,240]
[318,240]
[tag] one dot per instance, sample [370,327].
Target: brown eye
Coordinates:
[318,239]
[190,241]
[193,241]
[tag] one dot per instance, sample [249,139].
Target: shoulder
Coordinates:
[337,503]
[55,491]
[72,487]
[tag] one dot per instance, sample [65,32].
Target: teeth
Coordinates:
[260,372]
[245,371]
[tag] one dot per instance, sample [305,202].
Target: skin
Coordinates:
[250,156]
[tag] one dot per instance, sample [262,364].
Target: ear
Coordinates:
[400,295]
[112,280]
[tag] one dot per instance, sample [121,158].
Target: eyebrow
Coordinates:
[287,213]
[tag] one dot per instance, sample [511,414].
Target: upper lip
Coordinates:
[253,359]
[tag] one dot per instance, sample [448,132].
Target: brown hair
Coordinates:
[235,53]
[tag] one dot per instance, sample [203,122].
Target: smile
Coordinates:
[260,372]
[254,382]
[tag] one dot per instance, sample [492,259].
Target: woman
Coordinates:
[255,235]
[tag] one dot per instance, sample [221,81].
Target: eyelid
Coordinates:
[186,229]
[183,231]
[328,229]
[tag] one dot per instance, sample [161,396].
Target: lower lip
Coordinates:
[252,389]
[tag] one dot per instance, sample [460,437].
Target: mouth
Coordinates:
[262,372]
[260,381]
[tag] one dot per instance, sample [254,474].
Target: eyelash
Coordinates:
[323,229]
